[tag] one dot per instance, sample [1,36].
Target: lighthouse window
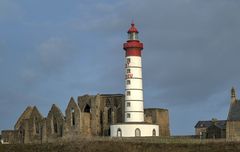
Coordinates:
[128,70]
[128,93]
[128,82]
[128,115]
[133,36]
[128,104]
[128,60]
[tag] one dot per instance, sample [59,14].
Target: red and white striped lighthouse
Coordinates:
[134,111]
[134,125]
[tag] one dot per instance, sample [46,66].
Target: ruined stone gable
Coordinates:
[55,122]
[73,119]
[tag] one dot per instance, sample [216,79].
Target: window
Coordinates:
[87,108]
[37,129]
[55,127]
[154,132]
[137,132]
[128,93]
[128,82]
[36,125]
[73,117]
[128,60]
[109,115]
[133,36]
[61,131]
[128,115]
[128,104]
[101,118]
[128,70]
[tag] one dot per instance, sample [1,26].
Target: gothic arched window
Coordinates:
[87,108]
[73,116]
[109,115]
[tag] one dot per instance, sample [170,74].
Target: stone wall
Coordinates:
[91,115]
[233,130]
[54,123]
[10,136]
[73,119]
[159,117]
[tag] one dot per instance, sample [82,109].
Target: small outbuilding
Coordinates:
[211,129]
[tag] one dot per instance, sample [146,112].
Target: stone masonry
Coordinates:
[88,116]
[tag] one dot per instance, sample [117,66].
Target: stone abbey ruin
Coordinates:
[89,116]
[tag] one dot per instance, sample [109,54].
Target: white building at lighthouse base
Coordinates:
[134,130]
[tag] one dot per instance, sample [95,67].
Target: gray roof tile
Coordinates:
[205,124]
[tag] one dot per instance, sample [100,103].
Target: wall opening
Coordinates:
[109,115]
[154,132]
[37,129]
[55,127]
[22,134]
[101,122]
[87,108]
[61,131]
[119,132]
[137,132]
[73,117]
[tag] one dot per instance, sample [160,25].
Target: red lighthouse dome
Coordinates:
[132,29]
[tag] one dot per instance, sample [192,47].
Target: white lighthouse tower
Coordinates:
[134,111]
[134,124]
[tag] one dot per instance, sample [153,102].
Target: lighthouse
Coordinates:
[134,124]
[134,111]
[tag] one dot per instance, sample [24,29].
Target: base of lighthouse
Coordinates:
[134,130]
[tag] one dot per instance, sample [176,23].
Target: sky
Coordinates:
[52,50]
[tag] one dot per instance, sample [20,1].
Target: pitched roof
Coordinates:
[234,111]
[25,115]
[205,124]
[56,109]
